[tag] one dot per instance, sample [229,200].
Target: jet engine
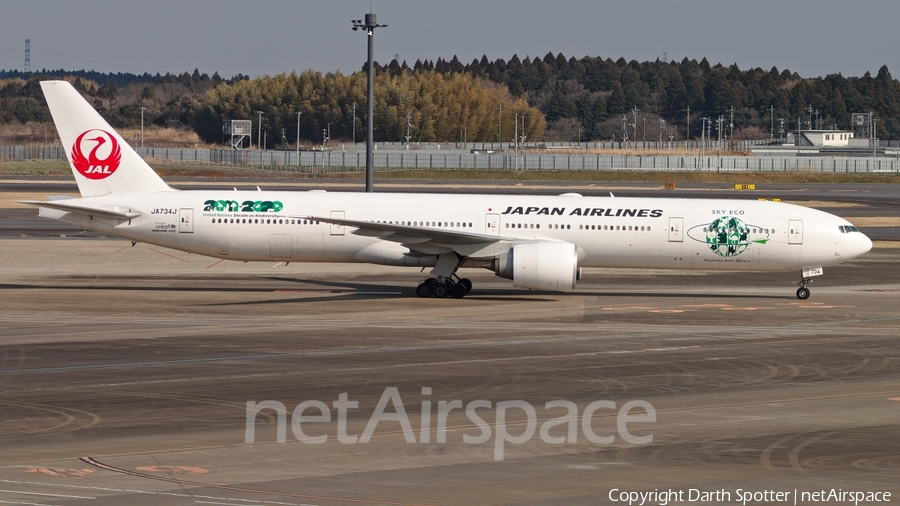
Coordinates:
[542,265]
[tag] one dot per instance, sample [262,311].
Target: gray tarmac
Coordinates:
[125,375]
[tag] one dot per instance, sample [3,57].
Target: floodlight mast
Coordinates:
[369,25]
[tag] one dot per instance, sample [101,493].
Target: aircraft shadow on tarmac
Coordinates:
[356,290]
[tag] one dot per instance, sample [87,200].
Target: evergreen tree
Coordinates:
[615,105]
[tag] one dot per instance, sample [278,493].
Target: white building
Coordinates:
[821,138]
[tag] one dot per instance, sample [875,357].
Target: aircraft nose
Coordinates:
[865,244]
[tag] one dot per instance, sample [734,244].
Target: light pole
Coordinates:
[874,137]
[354,125]
[500,124]
[299,113]
[523,136]
[369,25]
[516,140]
[259,131]
[142,126]
[635,112]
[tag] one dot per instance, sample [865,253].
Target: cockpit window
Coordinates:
[846,229]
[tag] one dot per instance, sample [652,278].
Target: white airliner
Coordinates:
[539,242]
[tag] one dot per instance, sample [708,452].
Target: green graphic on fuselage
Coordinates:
[728,236]
[248,206]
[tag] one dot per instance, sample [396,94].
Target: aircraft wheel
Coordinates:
[466,282]
[441,290]
[803,293]
[425,289]
[458,291]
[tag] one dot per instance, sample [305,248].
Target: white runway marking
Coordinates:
[131,491]
[46,495]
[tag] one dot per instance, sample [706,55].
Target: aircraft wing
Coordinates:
[428,240]
[61,205]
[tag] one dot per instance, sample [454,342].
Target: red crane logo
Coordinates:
[100,143]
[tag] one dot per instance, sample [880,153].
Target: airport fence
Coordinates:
[319,162]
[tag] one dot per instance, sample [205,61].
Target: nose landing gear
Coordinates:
[803,291]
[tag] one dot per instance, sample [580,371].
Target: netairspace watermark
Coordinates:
[745,497]
[632,412]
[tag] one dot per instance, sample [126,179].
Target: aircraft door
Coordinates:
[280,245]
[795,231]
[676,229]
[186,221]
[337,229]
[492,224]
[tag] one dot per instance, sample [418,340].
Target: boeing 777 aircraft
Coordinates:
[539,242]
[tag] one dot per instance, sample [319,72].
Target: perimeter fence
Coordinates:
[317,162]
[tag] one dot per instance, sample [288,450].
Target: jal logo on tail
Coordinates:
[103,154]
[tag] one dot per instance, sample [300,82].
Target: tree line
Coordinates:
[426,106]
[447,100]
[598,92]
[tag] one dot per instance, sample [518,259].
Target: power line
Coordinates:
[13,49]
[95,61]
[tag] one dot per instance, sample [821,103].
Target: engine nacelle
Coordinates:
[542,265]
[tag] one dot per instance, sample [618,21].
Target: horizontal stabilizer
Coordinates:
[85,210]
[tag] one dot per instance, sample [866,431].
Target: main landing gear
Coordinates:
[435,287]
[443,280]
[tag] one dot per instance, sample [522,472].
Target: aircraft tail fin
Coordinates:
[102,162]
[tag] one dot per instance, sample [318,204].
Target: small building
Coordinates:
[817,138]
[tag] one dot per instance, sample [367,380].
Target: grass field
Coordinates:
[59,168]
